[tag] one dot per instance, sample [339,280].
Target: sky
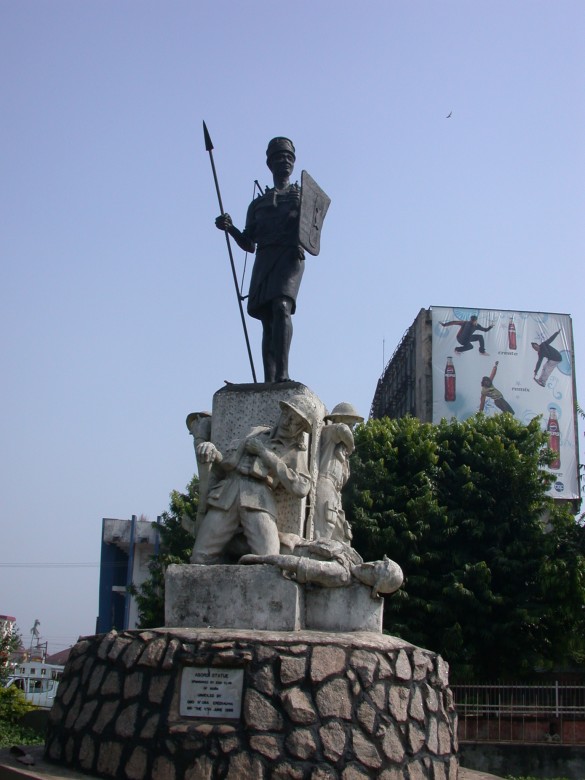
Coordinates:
[118,310]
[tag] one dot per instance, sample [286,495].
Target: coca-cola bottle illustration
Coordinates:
[450,392]
[554,438]
[512,335]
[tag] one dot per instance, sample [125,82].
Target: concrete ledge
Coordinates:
[254,597]
[343,609]
[260,598]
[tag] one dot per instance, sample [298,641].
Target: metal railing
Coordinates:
[553,713]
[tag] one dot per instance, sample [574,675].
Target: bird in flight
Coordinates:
[449,115]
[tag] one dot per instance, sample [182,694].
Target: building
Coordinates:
[406,386]
[7,623]
[127,548]
[455,362]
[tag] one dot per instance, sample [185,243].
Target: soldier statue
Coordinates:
[243,480]
[272,229]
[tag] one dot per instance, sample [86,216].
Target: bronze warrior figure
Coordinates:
[272,230]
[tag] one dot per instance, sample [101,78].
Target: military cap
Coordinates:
[280,144]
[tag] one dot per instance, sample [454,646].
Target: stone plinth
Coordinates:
[256,597]
[314,706]
[259,597]
[343,609]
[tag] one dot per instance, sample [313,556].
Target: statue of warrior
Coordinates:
[274,228]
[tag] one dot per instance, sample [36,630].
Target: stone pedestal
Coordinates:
[197,704]
[254,597]
[260,598]
[343,609]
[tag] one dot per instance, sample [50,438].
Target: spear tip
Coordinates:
[208,144]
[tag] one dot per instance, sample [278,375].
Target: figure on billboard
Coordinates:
[489,391]
[467,334]
[552,356]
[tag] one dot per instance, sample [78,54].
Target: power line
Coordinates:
[48,565]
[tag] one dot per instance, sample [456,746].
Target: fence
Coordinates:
[553,713]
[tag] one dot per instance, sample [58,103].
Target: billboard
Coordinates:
[520,362]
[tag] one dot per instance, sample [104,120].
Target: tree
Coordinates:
[176,546]
[581,414]
[494,570]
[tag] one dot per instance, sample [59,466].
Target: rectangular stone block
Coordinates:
[343,609]
[252,597]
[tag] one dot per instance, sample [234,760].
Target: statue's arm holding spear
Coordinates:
[224,222]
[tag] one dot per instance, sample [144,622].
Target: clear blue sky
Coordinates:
[118,311]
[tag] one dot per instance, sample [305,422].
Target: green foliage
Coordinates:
[523,777]
[494,571]
[581,414]
[176,546]
[15,734]
[13,704]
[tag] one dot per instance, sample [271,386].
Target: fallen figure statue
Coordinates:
[331,564]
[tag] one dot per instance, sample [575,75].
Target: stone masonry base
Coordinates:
[315,706]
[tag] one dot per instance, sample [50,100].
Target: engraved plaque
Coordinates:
[210,692]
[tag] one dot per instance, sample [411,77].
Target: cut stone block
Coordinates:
[259,597]
[343,609]
[254,597]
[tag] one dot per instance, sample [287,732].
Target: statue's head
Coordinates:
[194,417]
[302,408]
[344,413]
[280,147]
[383,576]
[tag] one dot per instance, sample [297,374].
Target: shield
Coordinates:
[314,205]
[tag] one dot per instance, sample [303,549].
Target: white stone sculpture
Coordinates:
[330,564]
[199,426]
[336,445]
[243,480]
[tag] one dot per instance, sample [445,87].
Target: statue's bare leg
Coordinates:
[277,329]
[267,354]
[282,330]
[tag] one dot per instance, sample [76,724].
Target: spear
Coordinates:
[209,148]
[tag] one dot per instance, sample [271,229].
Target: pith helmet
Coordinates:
[302,406]
[344,410]
[192,416]
[280,144]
